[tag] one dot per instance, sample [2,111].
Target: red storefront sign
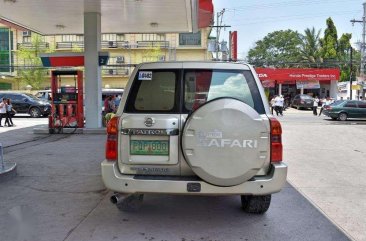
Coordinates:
[234,45]
[289,76]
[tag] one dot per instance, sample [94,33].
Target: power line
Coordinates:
[293,17]
[283,4]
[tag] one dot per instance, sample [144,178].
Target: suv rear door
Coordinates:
[150,123]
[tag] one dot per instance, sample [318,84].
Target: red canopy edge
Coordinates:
[205,15]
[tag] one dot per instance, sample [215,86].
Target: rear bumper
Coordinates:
[260,185]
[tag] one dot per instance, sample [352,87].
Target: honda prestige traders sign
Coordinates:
[293,75]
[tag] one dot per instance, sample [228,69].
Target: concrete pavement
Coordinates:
[59,195]
[327,165]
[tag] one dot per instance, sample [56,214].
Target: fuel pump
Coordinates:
[66,100]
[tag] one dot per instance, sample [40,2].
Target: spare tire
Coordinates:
[225,142]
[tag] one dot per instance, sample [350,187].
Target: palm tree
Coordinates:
[310,47]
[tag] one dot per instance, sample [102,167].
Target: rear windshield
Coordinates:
[153,91]
[201,86]
[162,91]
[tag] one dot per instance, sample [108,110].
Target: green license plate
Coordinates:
[145,147]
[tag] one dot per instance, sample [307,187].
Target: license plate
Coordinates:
[149,147]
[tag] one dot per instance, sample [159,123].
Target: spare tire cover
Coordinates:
[225,142]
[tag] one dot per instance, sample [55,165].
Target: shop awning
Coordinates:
[290,76]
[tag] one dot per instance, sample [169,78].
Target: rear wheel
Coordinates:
[342,116]
[131,203]
[255,204]
[34,112]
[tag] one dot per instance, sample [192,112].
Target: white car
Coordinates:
[195,128]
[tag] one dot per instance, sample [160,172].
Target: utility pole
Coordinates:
[218,27]
[351,74]
[362,67]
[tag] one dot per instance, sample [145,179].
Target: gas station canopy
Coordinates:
[50,17]
[93,17]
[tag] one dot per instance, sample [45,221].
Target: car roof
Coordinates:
[194,65]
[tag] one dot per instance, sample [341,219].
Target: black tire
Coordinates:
[51,131]
[35,112]
[342,116]
[255,204]
[131,203]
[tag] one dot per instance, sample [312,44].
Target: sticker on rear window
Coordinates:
[145,75]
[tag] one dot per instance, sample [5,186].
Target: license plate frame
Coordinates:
[149,147]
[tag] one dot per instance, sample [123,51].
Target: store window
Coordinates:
[153,37]
[113,37]
[191,39]
[6,60]
[72,38]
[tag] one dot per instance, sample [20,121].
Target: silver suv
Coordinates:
[195,128]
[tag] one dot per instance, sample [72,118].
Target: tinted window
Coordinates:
[153,91]
[14,97]
[32,97]
[351,104]
[204,85]
[361,104]
[337,102]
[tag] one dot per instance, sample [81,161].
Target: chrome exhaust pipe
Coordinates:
[117,198]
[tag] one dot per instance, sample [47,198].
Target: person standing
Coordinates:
[112,104]
[315,105]
[3,111]
[278,104]
[9,111]
[272,103]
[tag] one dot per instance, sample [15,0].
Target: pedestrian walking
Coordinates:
[3,111]
[9,111]
[315,105]
[325,101]
[272,103]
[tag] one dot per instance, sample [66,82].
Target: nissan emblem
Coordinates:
[149,122]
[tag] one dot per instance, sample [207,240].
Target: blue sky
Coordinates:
[254,19]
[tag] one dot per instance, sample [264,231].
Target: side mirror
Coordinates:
[25,99]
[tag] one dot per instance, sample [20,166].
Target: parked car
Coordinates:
[302,102]
[344,109]
[194,128]
[27,104]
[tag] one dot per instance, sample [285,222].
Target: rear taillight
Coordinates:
[111,147]
[276,140]
[302,102]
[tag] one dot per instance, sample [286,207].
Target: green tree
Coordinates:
[329,43]
[310,48]
[277,49]
[32,73]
